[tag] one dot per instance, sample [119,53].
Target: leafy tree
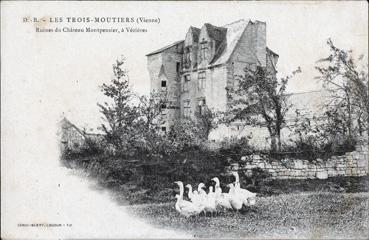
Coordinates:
[184,135]
[206,120]
[260,100]
[150,120]
[150,110]
[347,85]
[120,126]
[315,137]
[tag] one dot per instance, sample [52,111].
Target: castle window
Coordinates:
[164,129]
[178,67]
[201,80]
[204,51]
[186,82]
[187,57]
[163,84]
[186,108]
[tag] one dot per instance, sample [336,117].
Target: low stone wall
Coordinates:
[351,164]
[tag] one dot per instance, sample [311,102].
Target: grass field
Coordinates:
[301,215]
[330,208]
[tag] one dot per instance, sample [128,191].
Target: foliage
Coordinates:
[316,137]
[345,113]
[148,177]
[184,135]
[150,119]
[235,148]
[150,110]
[206,121]
[121,117]
[90,147]
[133,123]
[347,84]
[260,100]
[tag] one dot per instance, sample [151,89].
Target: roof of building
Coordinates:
[69,124]
[165,48]
[65,122]
[216,33]
[195,33]
[233,36]
[226,38]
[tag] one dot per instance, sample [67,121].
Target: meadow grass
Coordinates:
[301,215]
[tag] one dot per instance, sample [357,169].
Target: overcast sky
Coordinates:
[61,72]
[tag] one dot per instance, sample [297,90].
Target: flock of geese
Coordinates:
[214,200]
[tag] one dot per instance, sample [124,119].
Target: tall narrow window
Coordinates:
[186,108]
[204,51]
[201,80]
[178,67]
[186,82]
[187,57]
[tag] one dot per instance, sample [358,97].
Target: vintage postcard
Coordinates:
[184,119]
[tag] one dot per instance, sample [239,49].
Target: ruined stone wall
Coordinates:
[163,67]
[215,92]
[350,164]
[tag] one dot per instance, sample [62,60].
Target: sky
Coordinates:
[68,68]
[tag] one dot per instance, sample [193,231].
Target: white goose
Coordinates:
[221,199]
[184,207]
[203,199]
[234,199]
[210,204]
[248,198]
[193,195]
[201,192]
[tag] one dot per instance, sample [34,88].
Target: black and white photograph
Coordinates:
[184,119]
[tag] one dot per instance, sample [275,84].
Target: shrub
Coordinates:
[235,148]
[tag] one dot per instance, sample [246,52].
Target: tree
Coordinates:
[120,115]
[150,110]
[348,88]
[260,100]
[206,120]
[184,135]
[150,120]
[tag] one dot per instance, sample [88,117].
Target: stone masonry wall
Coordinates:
[351,164]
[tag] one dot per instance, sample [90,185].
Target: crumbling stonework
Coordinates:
[196,71]
[350,164]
